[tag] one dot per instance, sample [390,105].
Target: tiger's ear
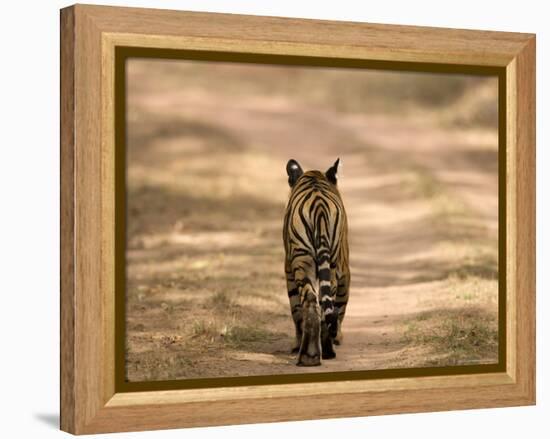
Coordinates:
[294,171]
[332,172]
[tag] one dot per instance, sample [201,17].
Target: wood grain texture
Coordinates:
[306,389]
[107,218]
[333,38]
[89,36]
[271,409]
[526,216]
[511,212]
[67,235]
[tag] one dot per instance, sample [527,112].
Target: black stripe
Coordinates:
[293,292]
[325,291]
[327,304]
[324,274]
[323,256]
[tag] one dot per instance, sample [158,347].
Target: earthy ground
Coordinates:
[207,188]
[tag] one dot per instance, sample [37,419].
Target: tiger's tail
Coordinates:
[325,277]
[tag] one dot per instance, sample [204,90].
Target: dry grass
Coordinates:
[467,335]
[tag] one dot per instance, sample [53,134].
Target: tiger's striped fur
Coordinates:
[315,235]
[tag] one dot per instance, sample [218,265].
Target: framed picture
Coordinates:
[267,219]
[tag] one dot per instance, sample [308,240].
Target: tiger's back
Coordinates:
[316,261]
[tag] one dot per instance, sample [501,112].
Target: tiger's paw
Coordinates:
[328,349]
[329,355]
[308,360]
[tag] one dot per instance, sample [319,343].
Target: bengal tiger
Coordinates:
[315,235]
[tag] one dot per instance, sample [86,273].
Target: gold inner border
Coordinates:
[123,53]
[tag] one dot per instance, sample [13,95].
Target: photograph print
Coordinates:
[292,219]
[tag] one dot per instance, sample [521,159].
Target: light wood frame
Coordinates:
[89,35]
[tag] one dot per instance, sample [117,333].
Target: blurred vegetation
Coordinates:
[463,100]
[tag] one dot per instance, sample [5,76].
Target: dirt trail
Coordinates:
[206,293]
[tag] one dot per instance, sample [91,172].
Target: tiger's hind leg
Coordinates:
[310,347]
[341,301]
[295,308]
[309,353]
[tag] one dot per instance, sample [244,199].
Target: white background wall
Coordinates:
[29,218]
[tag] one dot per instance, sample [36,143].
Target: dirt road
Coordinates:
[206,291]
